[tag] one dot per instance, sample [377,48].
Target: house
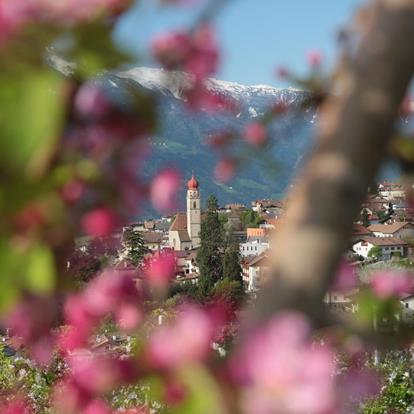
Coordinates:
[152,240]
[257,269]
[391,191]
[407,310]
[358,231]
[399,229]
[186,264]
[254,246]
[390,246]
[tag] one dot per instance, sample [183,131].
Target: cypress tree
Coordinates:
[134,246]
[210,252]
[231,264]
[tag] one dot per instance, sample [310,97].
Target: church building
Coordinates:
[184,233]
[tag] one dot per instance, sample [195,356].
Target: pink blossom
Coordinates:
[164,190]
[161,270]
[314,57]
[255,134]
[100,222]
[346,278]
[128,317]
[225,170]
[195,52]
[282,72]
[92,373]
[97,407]
[15,407]
[171,49]
[220,139]
[187,339]
[386,284]
[73,190]
[113,292]
[91,102]
[281,371]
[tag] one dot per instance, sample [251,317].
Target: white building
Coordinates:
[390,246]
[184,232]
[257,272]
[400,229]
[391,191]
[254,246]
[407,311]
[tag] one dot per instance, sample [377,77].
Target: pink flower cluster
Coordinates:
[187,339]
[112,293]
[386,284]
[90,376]
[16,13]
[31,321]
[196,53]
[160,270]
[281,371]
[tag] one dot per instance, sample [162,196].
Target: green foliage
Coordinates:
[365,218]
[250,218]
[375,252]
[134,246]
[230,291]
[231,264]
[209,256]
[397,393]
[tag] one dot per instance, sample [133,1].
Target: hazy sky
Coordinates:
[255,35]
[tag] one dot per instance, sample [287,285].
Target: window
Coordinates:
[194,204]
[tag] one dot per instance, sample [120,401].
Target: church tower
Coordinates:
[193,212]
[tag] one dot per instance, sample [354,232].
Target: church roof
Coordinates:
[179,223]
[183,235]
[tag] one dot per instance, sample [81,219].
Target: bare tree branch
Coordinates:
[355,127]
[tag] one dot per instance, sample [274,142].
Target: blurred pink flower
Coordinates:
[225,170]
[195,52]
[100,222]
[93,374]
[185,340]
[388,283]
[346,278]
[128,317]
[97,407]
[281,371]
[164,190]
[255,134]
[314,57]
[282,72]
[113,292]
[15,407]
[73,190]
[91,102]
[161,270]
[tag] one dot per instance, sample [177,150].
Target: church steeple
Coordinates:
[193,211]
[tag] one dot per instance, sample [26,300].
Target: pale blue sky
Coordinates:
[255,35]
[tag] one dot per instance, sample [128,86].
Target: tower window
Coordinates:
[194,204]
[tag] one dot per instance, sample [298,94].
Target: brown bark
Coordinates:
[355,127]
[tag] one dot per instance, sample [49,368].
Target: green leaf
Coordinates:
[30,120]
[39,275]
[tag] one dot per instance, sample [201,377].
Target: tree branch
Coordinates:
[355,127]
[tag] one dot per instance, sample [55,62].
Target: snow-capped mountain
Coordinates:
[181,137]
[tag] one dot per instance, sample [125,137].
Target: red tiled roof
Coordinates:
[384,241]
[179,223]
[389,228]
